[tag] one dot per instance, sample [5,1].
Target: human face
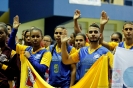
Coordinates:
[79,41]
[72,39]
[27,37]
[46,41]
[36,38]
[115,38]
[128,31]
[9,29]
[57,34]
[3,35]
[93,34]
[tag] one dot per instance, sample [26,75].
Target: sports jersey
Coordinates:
[113,45]
[86,58]
[59,75]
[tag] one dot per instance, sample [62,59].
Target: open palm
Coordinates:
[16,22]
[76,14]
[104,18]
[64,37]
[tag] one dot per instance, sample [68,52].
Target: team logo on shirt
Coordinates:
[37,56]
[31,78]
[96,56]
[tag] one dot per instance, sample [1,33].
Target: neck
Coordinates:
[94,45]
[36,48]
[129,42]
[59,45]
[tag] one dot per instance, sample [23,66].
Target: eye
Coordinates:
[90,32]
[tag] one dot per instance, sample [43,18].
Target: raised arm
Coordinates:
[77,28]
[103,20]
[12,41]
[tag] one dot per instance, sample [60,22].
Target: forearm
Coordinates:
[73,76]
[76,27]
[39,67]
[65,54]
[12,41]
[101,28]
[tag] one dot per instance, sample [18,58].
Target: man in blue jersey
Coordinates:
[127,32]
[86,56]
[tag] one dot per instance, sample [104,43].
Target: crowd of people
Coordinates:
[62,63]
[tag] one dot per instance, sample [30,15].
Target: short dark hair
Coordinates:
[128,22]
[9,25]
[94,25]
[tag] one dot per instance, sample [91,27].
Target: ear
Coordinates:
[122,30]
[100,35]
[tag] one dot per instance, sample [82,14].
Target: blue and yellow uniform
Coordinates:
[86,58]
[113,45]
[40,59]
[59,74]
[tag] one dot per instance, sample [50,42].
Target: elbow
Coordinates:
[65,62]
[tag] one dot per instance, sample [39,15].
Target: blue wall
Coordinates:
[4,5]
[115,12]
[29,10]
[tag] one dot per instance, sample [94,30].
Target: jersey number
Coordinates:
[56,68]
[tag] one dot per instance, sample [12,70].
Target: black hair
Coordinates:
[60,26]
[5,28]
[25,32]
[74,34]
[82,35]
[94,25]
[35,28]
[119,34]
[128,22]
[9,25]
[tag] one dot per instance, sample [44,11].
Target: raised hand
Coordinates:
[104,18]
[16,22]
[64,37]
[76,14]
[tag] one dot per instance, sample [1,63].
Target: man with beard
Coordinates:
[86,56]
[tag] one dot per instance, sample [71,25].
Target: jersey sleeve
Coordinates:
[75,56]
[46,59]
[112,45]
[20,48]
[72,51]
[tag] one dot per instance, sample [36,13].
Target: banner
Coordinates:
[97,76]
[30,78]
[86,2]
[122,76]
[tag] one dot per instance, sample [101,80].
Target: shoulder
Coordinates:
[103,49]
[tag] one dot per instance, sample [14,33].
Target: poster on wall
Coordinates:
[86,2]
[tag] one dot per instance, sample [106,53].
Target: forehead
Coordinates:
[79,37]
[35,32]
[1,29]
[128,26]
[28,33]
[93,28]
[58,30]
[115,36]
[46,37]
